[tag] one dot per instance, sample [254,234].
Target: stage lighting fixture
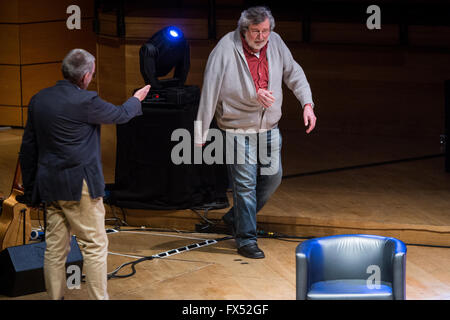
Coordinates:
[173,33]
[165,50]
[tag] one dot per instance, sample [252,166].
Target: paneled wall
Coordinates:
[34,40]
[363,81]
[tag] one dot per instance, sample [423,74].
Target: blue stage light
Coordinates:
[165,50]
[173,33]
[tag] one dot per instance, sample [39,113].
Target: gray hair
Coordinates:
[255,15]
[76,64]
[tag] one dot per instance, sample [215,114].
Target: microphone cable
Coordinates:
[165,254]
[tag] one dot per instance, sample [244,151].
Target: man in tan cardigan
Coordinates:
[242,88]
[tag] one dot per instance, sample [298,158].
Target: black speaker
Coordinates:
[146,176]
[22,267]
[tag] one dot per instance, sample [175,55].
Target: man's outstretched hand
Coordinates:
[142,93]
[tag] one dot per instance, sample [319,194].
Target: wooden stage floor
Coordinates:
[334,184]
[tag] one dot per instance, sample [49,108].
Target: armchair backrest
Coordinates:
[351,257]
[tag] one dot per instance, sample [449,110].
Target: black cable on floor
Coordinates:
[279,236]
[165,254]
[427,245]
[114,274]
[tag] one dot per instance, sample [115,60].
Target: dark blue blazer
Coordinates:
[61,142]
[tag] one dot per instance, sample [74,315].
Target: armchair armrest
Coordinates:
[399,271]
[302,279]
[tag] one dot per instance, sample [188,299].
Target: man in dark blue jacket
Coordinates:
[60,158]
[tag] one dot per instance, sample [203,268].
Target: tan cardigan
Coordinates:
[229,93]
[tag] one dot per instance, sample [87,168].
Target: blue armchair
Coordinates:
[351,267]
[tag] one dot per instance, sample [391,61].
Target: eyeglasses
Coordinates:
[255,33]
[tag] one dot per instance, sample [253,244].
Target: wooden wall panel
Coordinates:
[238,3]
[108,24]
[93,86]
[371,107]
[289,30]
[9,11]
[435,36]
[227,19]
[10,85]
[34,40]
[111,73]
[133,75]
[24,116]
[200,51]
[10,45]
[10,116]
[223,26]
[145,27]
[26,11]
[353,33]
[51,41]
[37,77]
[372,91]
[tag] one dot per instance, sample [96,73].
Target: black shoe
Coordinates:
[252,251]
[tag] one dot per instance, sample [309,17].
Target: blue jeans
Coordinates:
[254,181]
